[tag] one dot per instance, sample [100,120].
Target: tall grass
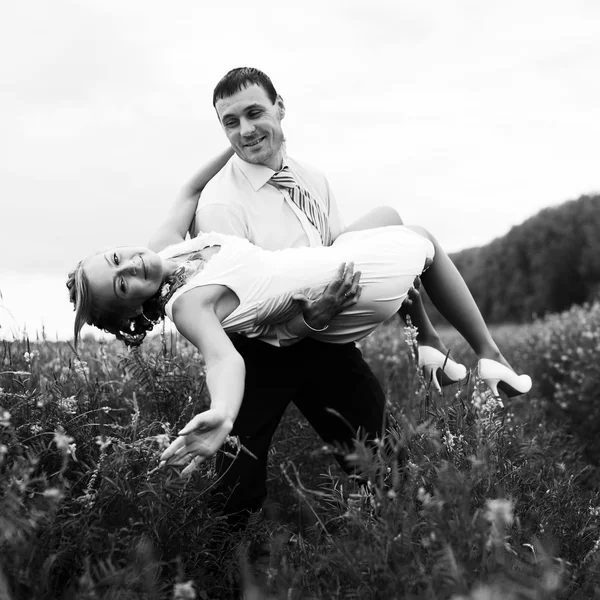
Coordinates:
[464,497]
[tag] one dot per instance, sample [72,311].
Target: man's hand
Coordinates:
[198,440]
[341,293]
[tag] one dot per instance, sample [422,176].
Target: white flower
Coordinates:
[423,496]
[449,439]
[499,511]
[162,439]
[62,440]
[165,290]
[71,448]
[4,418]
[53,494]
[104,443]
[69,405]
[233,440]
[81,367]
[184,591]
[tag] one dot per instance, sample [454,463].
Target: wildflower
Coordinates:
[71,448]
[103,442]
[4,418]
[3,452]
[36,428]
[69,405]
[499,513]
[184,591]
[594,511]
[449,439]
[81,368]
[62,440]
[233,440]
[162,439]
[29,356]
[485,403]
[53,494]
[423,497]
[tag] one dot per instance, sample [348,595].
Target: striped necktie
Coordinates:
[304,201]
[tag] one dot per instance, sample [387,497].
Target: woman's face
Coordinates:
[124,278]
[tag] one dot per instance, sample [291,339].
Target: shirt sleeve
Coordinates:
[221,218]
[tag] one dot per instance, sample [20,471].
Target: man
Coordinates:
[331,384]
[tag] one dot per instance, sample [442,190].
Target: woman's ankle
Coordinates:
[433,341]
[494,354]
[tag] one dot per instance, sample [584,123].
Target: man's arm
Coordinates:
[316,313]
[179,218]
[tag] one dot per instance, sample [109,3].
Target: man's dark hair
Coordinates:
[241,78]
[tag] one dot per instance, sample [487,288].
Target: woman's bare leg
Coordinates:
[384,216]
[451,296]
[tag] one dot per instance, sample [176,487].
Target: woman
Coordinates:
[216,284]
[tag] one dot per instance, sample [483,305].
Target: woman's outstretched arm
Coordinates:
[195,317]
[179,218]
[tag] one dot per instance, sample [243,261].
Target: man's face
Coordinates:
[252,124]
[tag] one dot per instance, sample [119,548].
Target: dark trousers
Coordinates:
[322,380]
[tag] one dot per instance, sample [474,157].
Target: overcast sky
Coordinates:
[467,116]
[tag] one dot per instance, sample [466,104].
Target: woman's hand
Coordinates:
[341,293]
[198,440]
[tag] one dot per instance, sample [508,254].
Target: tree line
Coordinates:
[545,265]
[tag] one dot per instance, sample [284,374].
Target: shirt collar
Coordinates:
[257,175]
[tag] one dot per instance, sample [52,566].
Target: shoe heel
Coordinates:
[493,385]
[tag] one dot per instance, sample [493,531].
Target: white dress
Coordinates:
[389,259]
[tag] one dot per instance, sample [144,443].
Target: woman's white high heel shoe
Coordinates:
[438,368]
[495,375]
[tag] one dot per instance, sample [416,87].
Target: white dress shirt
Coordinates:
[240,201]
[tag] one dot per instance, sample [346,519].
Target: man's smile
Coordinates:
[255,142]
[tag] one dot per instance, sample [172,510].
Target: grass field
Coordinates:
[466,497]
